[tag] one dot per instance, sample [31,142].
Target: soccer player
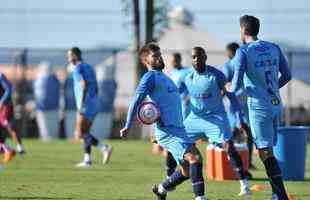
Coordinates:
[236,120]
[6,115]
[208,119]
[257,64]
[85,91]
[175,74]
[169,132]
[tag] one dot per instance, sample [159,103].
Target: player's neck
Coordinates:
[251,39]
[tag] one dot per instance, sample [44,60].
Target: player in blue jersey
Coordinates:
[257,65]
[238,122]
[208,119]
[176,73]
[169,132]
[85,91]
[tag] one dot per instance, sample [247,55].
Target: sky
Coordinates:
[100,23]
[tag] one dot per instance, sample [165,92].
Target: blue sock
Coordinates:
[274,173]
[89,140]
[197,179]
[171,165]
[175,179]
[235,161]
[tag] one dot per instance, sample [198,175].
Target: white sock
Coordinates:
[244,183]
[87,157]
[200,198]
[20,147]
[161,189]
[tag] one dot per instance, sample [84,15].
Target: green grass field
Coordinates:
[47,172]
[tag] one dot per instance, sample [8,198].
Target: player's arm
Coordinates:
[144,88]
[222,81]
[7,89]
[239,63]
[285,71]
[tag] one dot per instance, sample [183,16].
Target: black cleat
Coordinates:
[156,192]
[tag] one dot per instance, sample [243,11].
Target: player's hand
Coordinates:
[124,132]
[228,87]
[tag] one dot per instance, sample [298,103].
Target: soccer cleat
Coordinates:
[83,164]
[158,194]
[106,154]
[245,192]
[8,156]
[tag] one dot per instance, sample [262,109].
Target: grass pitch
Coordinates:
[47,172]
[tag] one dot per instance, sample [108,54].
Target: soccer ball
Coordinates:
[148,113]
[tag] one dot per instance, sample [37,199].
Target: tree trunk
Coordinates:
[149,15]
[136,40]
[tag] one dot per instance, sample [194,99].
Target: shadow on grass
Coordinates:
[35,198]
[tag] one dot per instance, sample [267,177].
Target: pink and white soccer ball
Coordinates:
[148,112]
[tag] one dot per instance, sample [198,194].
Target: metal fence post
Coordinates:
[289,92]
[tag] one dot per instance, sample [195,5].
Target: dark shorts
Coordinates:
[6,115]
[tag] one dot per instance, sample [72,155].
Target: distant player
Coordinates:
[169,132]
[85,91]
[175,74]
[236,120]
[6,115]
[257,65]
[208,119]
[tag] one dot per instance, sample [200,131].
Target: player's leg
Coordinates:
[250,145]
[264,130]
[9,153]
[17,138]
[191,167]
[236,163]
[89,140]
[171,164]
[218,130]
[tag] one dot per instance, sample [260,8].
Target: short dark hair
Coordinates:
[146,49]
[200,49]
[251,25]
[177,55]
[232,47]
[76,51]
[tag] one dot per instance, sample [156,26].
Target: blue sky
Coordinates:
[93,23]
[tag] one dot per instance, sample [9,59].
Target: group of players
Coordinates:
[251,78]
[191,107]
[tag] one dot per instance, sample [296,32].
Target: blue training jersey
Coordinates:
[258,64]
[205,91]
[84,71]
[162,91]
[240,93]
[5,90]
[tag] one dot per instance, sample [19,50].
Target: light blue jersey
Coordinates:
[169,132]
[208,118]
[176,76]
[83,71]
[257,64]
[233,115]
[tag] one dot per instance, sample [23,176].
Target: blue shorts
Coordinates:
[174,140]
[264,123]
[88,112]
[213,127]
